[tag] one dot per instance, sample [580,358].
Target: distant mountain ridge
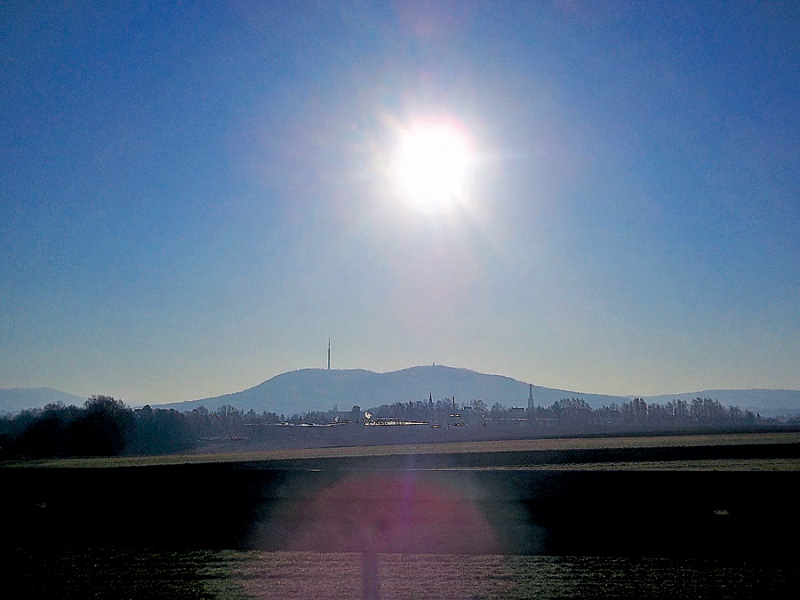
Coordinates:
[320,389]
[15,400]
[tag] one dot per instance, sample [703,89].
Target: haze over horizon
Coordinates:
[600,199]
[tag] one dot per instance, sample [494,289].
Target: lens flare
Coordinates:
[390,513]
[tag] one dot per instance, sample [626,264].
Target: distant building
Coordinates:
[456,419]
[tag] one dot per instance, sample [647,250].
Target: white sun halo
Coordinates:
[432,166]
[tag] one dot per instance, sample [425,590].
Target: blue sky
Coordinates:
[194,199]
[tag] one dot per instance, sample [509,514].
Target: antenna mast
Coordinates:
[329,354]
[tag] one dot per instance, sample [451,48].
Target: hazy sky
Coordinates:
[193,199]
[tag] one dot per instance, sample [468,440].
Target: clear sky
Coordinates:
[193,199]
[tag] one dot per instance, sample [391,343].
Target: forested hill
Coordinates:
[321,389]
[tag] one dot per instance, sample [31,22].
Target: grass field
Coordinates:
[684,516]
[501,453]
[723,464]
[234,575]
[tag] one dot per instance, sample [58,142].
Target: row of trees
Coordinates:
[105,426]
[576,411]
[638,414]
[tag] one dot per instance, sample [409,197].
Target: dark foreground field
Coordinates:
[506,522]
[240,575]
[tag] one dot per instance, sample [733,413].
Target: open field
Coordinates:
[655,494]
[633,517]
[721,464]
[237,575]
[549,451]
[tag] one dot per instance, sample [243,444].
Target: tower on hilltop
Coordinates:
[329,354]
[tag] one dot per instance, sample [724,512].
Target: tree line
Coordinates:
[105,426]
[639,415]
[576,413]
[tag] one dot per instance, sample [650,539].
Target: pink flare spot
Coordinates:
[392,513]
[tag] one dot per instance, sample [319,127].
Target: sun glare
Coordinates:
[432,167]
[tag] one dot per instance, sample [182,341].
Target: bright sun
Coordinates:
[432,166]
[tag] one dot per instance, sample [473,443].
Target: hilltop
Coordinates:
[15,400]
[320,389]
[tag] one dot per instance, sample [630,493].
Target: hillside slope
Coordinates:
[14,400]
[321,389]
